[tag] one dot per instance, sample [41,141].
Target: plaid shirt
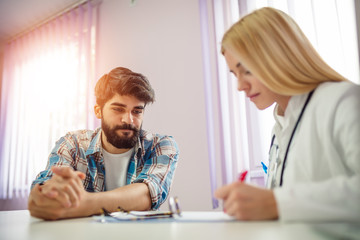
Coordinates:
[153,161]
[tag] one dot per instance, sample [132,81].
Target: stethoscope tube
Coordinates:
[292,135]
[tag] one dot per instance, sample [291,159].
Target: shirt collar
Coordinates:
[139,148]
[292,111]
[95,143]
[279,119]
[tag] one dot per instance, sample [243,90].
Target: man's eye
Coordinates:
[118,109]
[137,112]
[247,73]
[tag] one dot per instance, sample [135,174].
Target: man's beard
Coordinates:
[120,141]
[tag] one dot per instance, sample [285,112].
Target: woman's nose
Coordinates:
[242,84]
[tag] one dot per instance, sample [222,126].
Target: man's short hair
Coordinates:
[123,81]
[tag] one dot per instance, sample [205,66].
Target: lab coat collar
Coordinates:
[293,110]
[285,124]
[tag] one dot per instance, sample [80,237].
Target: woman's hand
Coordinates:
[246,202]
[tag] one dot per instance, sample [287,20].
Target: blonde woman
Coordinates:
[314,160]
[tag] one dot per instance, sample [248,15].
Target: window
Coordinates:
[47,90]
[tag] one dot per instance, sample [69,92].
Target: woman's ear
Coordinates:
[97,110]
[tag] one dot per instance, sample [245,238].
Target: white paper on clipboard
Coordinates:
[200,216]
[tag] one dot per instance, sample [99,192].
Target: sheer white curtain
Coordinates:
[47,90]
[239,133]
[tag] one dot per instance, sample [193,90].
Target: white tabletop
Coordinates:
[19,225]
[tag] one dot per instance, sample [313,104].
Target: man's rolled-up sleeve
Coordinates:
[159,169]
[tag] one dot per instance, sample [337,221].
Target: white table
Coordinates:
[19,225]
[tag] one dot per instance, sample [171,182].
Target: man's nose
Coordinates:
[128,118]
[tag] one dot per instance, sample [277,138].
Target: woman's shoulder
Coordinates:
[337,87]
[334,98]
[336,91]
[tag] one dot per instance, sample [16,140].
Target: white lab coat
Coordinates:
[321,180]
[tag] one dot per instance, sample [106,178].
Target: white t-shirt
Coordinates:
[116,168]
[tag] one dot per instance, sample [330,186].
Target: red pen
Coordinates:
[242,176]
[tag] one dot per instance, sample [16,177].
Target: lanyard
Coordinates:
[292,135]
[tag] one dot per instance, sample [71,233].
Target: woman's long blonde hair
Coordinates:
[275,50]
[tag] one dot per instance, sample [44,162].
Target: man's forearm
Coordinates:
[130,197]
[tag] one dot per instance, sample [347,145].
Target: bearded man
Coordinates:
[117,165]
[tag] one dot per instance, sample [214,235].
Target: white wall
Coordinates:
[161,39]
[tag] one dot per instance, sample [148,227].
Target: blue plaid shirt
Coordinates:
[153,161]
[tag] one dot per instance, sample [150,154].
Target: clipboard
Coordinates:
[123,215]
[156,216]
[173,215]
